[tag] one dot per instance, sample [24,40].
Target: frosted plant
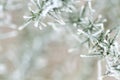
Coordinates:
[84,24]
[47,9]
[100,43]
[90,29]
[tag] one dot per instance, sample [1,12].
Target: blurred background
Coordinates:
[48,54]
